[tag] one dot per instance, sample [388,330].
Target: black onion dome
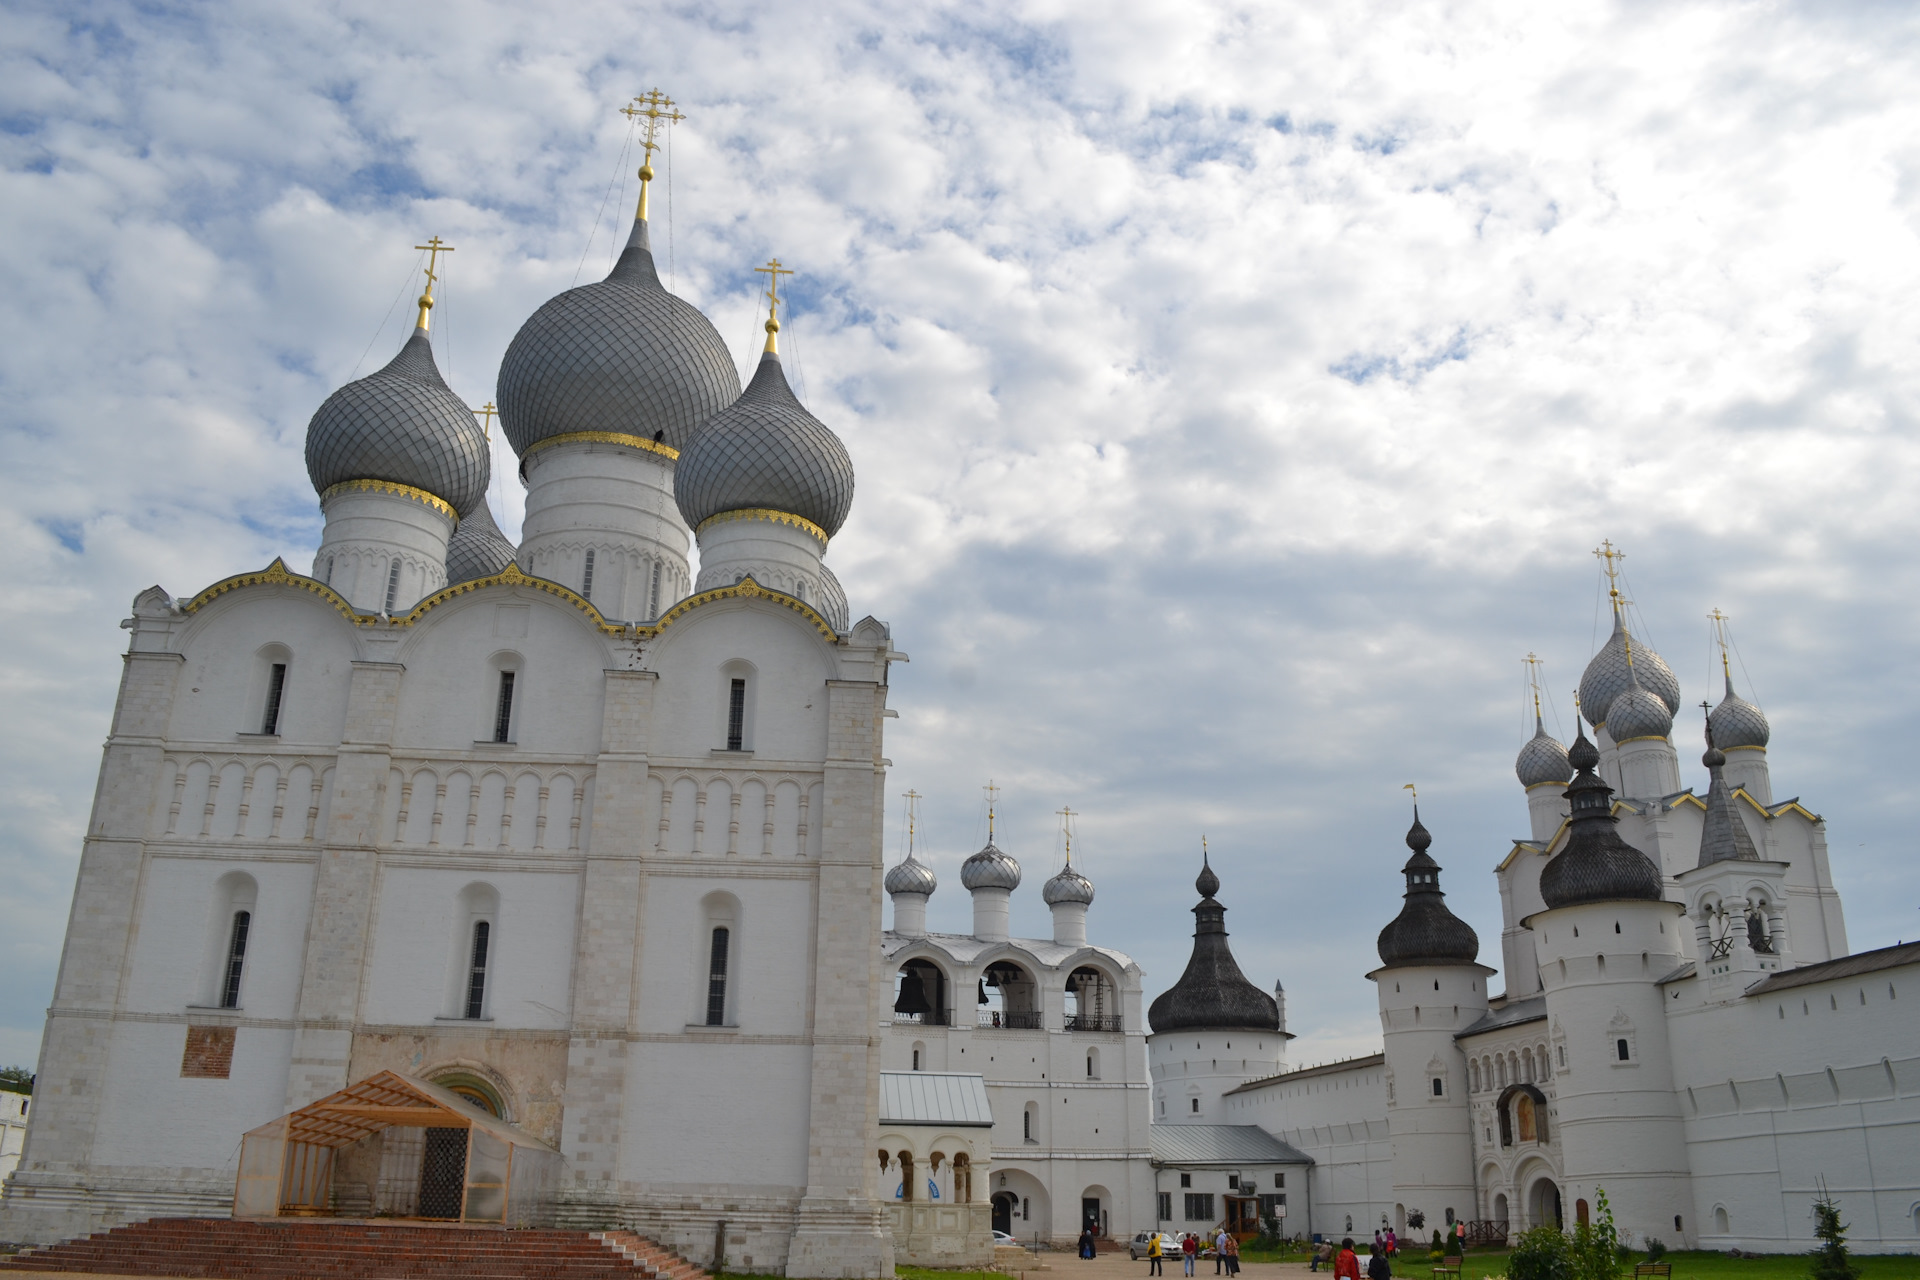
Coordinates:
[990,869]
[1542,759]
[1595,864]
[404,425]
[1212,994]
[622,355]
[1737,723]
[477,548]
[1609,675]
[766,451]
[1425,931]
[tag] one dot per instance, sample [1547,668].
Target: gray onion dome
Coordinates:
[1595,864]
[623,355]
[1542,760]
[1738,723]
[1068,886]
[1637,713]
[1606,676]
[911,876]
[990,869]
[766,451]
[1426,931]
[477,548]
[404,425]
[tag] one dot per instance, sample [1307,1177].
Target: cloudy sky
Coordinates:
[1237,392]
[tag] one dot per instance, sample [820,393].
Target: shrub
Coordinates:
[1453,1244]
[1656,1248]
[1416,1220]
[1540,1254]
[1439,1247]
[1830,1260]
[1596,1244]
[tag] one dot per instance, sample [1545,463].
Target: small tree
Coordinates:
[1830,1260]
[1540,1254]
[1439,1249]
[1596,1244]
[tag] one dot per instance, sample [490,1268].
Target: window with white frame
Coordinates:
[476,952]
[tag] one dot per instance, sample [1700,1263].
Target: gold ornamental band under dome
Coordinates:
[765,513]
[393,487]
[666,451]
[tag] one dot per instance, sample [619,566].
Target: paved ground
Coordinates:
[1117,1266]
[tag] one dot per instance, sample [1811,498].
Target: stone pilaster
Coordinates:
[840,1230]
[607,947]
[337,930]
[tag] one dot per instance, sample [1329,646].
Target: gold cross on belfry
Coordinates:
[654,106]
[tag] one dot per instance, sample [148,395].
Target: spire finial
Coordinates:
[913,819]
[1408,786]
[1533,682]
[657,108]
[434,247]
[487,414]
[773,271]
[1720,621]
[1608,552]
[993,793]
[1066,829]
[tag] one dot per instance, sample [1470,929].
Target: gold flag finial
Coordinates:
[434,247]
[1612,555]
[657,109]
[487,413]
[773,271]
[993,793]
[1066,829]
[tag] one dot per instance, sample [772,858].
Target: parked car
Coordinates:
[1001,1238]
[1137,1247]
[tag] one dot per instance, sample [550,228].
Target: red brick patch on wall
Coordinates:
[209,1053]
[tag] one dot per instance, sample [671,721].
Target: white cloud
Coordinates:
[1235,392]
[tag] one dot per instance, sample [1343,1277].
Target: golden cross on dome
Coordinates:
[913,817]
[1066,828]
[1533,681]
[487,414]
[993,793]
[434,246]
[1720,621]
[773,271]
[1608,552]
[655,107]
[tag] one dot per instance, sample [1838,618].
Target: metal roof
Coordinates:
[934,1097]
[1324,1069]
[1845,967]
[1235,1144]
[1512,1014]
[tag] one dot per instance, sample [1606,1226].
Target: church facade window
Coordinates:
[393,585]
[477,970]
[276,689]
[503,709]
[236,960]
[736,713]
[476,945]
[717,983]
[586,578]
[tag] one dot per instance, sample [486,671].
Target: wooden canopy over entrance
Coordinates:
[493,1171]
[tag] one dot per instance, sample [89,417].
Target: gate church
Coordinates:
[556,828]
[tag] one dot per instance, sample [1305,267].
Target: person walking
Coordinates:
[1378,1268]
[1220,1252]
[1233,1255]
[1346,1266]
[1153,1255]
[1393,1243]
[1189,1250]
[1379,1242]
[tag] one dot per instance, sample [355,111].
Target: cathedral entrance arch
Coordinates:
[1543,1204]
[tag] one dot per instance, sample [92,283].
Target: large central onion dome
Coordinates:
[1595,864]
[766,452]
[621,356]
[1426,931]
[404,425]
[1609,675]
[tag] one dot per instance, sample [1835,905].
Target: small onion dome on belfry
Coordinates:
[403,425]
[621,356]
[1426,931]
[477,548]
[1542,760]
[990,869]
[910,875]
[1595,864]
[1068,886]
[1212,993]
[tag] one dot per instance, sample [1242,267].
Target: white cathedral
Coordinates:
[575,857]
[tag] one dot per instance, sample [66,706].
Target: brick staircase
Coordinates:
[305,1250]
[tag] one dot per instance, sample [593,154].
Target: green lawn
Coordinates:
[1692,1266]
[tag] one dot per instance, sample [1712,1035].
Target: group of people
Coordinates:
[1226,1254]
[1346,1264]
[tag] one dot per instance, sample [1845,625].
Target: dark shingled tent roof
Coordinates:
[1212,993]
[1425,931]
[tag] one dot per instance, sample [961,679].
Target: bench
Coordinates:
[1445,1271]
[1662,1269]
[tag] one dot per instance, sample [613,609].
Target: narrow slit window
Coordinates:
[736,715]
[236,960]
[276,685]
[717,980]
[477,970]
[586,581]
[393,584]
[653,596]
[503,710]
[326,578]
